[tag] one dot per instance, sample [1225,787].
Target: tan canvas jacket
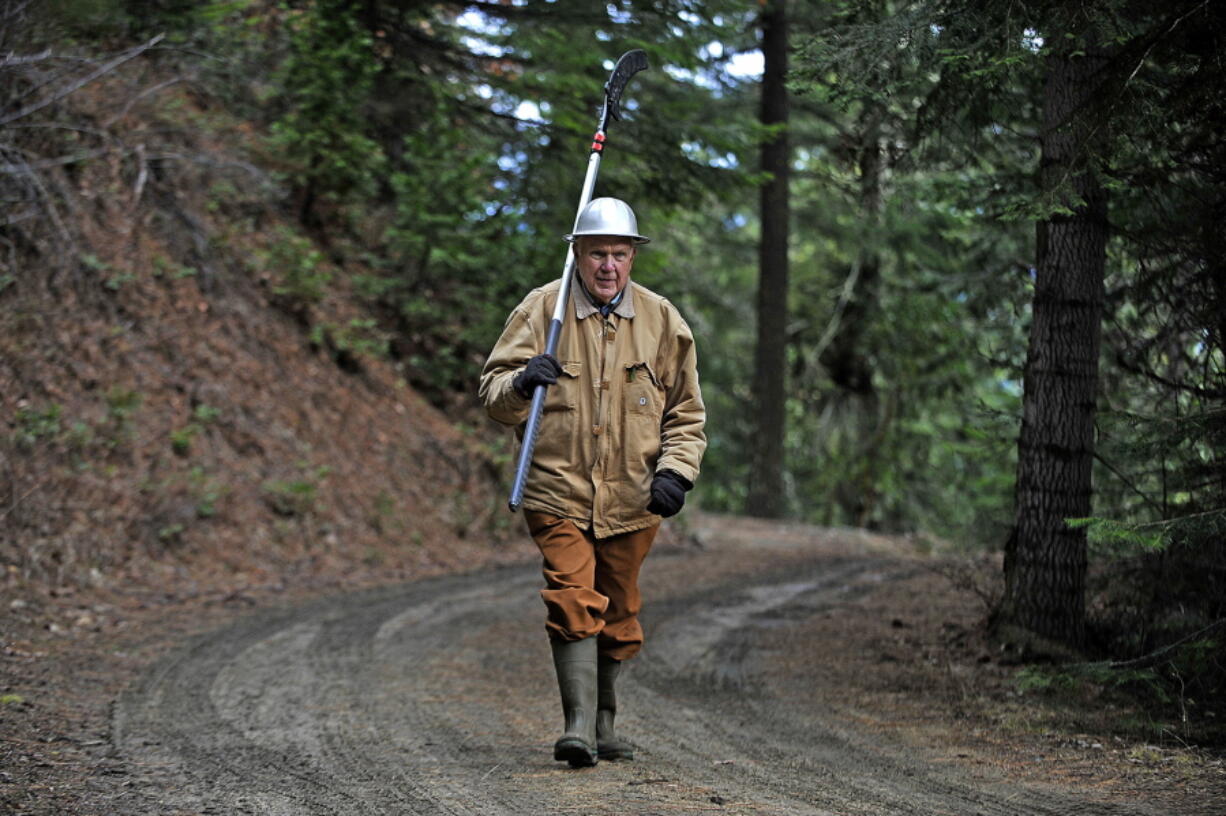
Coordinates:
[626,405]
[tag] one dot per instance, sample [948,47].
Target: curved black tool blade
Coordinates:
[630,64]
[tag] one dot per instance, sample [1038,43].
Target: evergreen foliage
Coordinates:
[971,72]
[909,367]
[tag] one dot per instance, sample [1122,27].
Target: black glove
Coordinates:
[540,370]
[668,493]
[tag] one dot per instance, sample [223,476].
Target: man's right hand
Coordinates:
[542,369]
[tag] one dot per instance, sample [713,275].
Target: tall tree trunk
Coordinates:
[848,359]
[766,495]
[1045,560]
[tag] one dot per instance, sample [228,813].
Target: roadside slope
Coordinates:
[193,395]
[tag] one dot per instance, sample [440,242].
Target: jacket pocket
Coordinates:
[643,394]
[565,395]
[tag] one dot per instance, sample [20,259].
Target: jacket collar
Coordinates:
[585,307]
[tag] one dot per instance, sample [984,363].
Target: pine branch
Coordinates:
[1123,478]
[1153,658]
[1135,367]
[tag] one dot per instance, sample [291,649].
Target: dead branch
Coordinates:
[17,218]
[848,288]
[23,166]
[58,126]
[43,164]
[73,87]
[205,160]
[152,90]
[141,176]
[16,500]
[37,183]
[14,10]
[45,79]
[13,59]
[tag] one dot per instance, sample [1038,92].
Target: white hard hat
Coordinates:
[607,216]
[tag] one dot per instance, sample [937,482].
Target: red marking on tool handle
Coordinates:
[598,142]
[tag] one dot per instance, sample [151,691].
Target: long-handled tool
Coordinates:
[630,64]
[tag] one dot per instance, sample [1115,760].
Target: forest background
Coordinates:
[372,186]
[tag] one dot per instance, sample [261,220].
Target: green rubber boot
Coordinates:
[608,746]
[575,662]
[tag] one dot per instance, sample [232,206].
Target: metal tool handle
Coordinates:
[630,64]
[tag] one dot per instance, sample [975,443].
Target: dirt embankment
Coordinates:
[192,396]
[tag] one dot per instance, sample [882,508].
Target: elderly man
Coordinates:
[620,443]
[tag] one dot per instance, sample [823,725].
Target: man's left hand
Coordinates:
[668,493]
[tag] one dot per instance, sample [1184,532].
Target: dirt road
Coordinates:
[438,697]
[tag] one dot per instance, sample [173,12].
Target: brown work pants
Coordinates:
[591,584]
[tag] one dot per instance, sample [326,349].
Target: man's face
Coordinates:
[604,263]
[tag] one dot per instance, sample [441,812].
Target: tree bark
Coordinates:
[766,495]
[848,358]
[1045,560]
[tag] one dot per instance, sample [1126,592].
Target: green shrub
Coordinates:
[205,413]
[298,267]
[35,424]
[181,439]
[207,492]
[294,497]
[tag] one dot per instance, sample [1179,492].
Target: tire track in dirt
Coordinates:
[706,648]
[438,697]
